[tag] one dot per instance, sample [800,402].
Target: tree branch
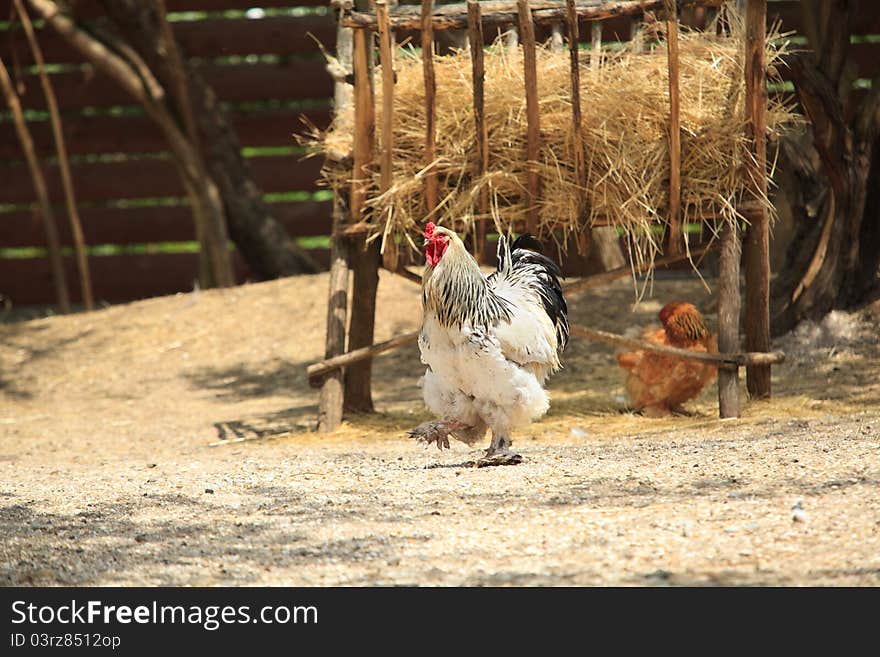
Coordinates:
[39,182]
[831,136]
[63,163]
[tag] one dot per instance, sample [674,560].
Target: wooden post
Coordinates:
[389,246]
[557,43]
[330,404]
[603,241]
[728,317]
[533,137]
[364,121]
[331,400]
[427,34]
[595,47]
[511,41]
[364,258]
[475,39]
[674,235]
[757,242]
[635,33]
[577,127]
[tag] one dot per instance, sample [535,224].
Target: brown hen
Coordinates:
[658,385]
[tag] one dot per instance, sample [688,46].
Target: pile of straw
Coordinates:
[625,110]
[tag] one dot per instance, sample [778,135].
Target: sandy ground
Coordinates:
[168,442]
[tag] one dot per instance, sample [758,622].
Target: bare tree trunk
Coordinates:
[205,145]
[122,63]
[262,240]
[833,263]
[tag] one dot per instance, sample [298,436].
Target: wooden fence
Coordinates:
[265,66]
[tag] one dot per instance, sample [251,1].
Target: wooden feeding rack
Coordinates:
[344,375]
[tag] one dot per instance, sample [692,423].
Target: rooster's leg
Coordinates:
[437,432]
[499,452]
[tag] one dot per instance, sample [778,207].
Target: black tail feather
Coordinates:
[528,251]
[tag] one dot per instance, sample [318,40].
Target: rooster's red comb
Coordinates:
[429,230]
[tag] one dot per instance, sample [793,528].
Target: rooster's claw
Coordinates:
[436,432]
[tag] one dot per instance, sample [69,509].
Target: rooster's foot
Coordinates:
[436,432]
[499,458]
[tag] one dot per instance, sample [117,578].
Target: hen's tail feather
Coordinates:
[526,254]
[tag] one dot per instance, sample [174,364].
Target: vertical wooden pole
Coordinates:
[82,258]
[728,317]
[557,43]
[365,259]
[364,121]
[674,235]
[330,404]
[56,263]
[582,238]
[389,247]
[475,39]
[533,136]
[576,123]
[511,40]
[595,47]
[757,242]
[635,33]
[603,241]
[431,193]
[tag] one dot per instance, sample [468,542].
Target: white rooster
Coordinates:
[489,342]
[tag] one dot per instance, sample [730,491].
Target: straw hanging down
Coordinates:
[625,140]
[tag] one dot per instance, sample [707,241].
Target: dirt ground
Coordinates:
[168,442]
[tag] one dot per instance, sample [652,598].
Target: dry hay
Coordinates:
[625,119]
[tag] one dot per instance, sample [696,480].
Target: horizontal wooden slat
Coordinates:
[149,225]
[151,178]
[278,35]
[27,281]
[138,134]
[294,80]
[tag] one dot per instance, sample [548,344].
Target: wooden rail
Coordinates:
[501,14]
[317,371]
[723,360]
